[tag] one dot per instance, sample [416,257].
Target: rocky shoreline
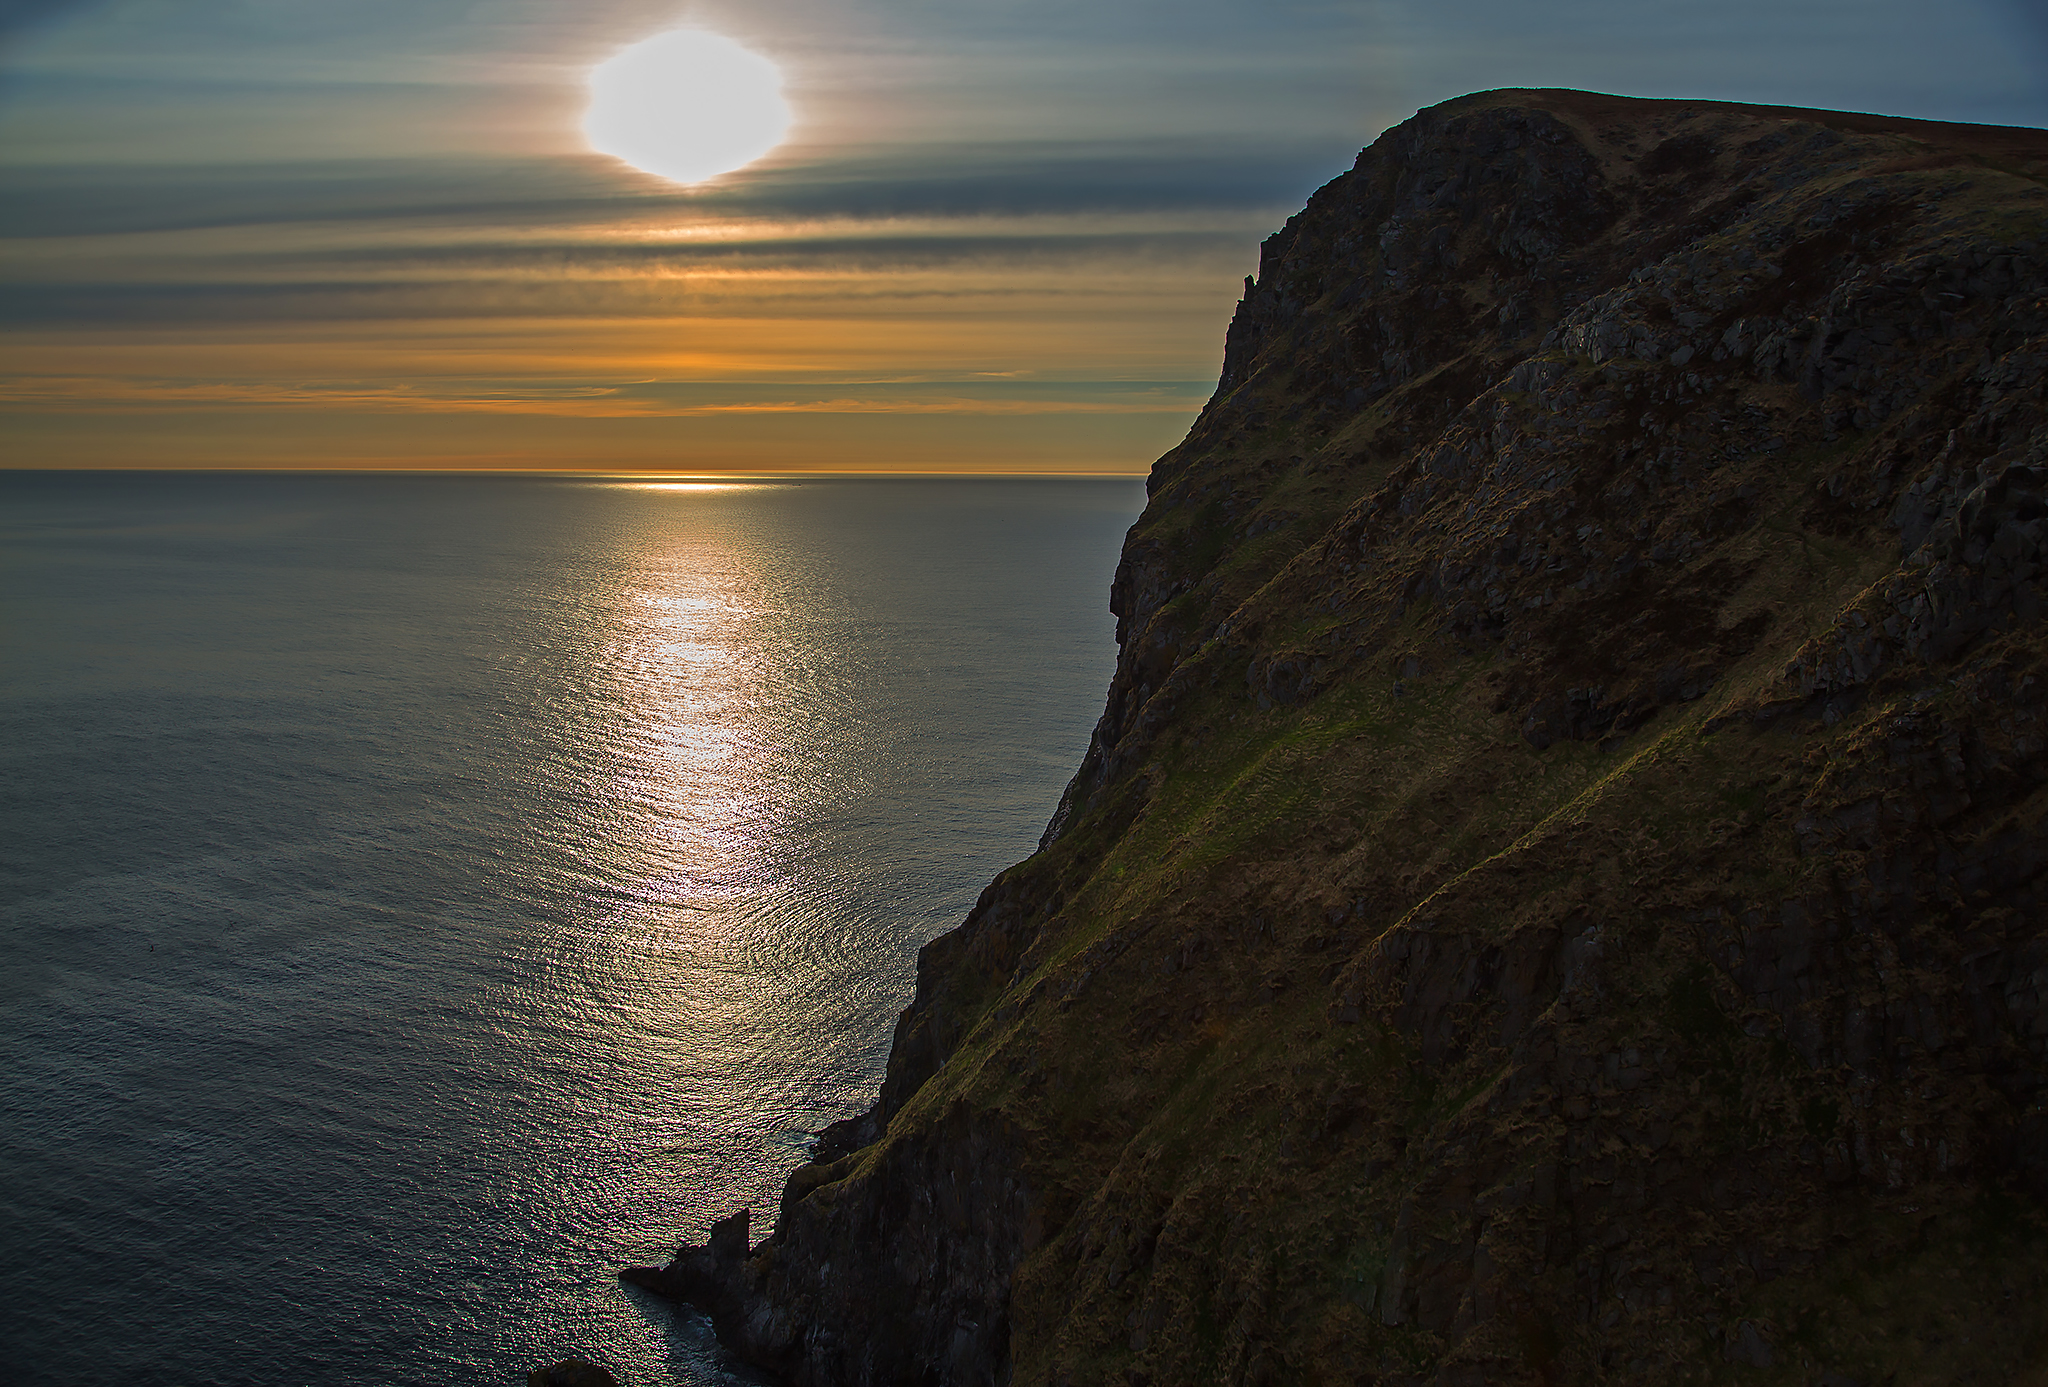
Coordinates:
[1556,893]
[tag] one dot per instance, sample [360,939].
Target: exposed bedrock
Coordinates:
[1556,892]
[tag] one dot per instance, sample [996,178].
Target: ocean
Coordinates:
[422,896]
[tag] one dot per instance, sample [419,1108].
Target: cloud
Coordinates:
[1017,177]
[100,393]
[375,222]
[643,399]
[19,17]
[1953,61]
[943,277]
[426,240]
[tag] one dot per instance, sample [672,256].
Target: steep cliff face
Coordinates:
[1556,891]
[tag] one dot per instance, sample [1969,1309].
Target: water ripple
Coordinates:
[422,896]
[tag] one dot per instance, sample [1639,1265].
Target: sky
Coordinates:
[1003,235]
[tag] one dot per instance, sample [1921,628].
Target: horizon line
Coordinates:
[593,474]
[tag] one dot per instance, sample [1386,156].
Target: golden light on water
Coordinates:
[678,484]
[687,686]
[686,106]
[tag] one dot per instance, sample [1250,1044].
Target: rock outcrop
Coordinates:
[1556,893]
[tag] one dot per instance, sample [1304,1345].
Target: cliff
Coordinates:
[1556,892]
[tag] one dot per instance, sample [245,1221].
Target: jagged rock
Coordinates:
[711,1277]
[1556,893]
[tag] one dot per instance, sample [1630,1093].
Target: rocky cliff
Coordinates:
[1556,894]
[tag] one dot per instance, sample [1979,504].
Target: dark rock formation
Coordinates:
[571,1372]
[1556,893]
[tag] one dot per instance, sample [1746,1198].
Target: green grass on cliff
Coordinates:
[1222,1125]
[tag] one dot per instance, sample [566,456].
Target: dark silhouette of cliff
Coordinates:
[1556,894]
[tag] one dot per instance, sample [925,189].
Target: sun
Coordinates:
[686,105]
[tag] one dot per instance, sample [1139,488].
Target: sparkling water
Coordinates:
[422,896]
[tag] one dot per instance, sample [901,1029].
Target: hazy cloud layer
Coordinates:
[1018,177]
[1019,220]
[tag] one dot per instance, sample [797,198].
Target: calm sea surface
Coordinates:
[420,897]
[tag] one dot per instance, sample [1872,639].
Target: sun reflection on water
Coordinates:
[689,671]
[702,485]
[764,813]
[679,977]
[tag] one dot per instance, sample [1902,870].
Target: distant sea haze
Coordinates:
[423,895]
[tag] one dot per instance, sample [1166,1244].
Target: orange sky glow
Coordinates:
[999,238]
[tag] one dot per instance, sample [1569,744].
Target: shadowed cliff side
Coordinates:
[1556,893]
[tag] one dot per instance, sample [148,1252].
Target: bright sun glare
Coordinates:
[686,105]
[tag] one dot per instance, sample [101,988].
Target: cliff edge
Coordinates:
[1556,893]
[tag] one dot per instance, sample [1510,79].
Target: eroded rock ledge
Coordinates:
[1556,892]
